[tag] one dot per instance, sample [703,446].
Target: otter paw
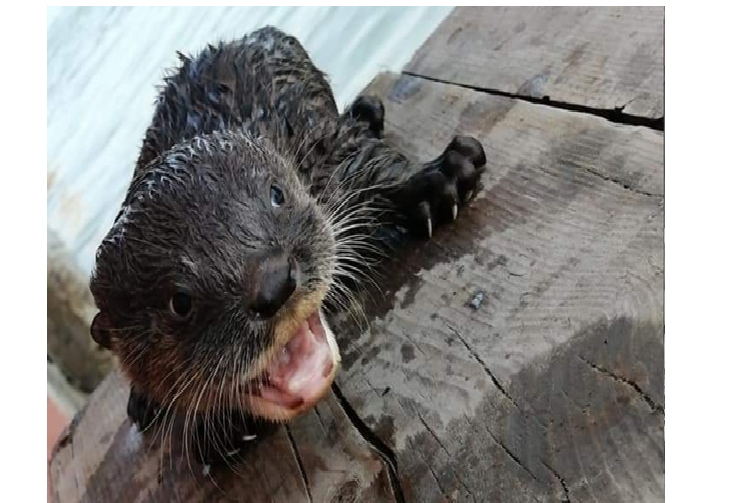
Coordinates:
[369,109]
[141,410]
[435,194]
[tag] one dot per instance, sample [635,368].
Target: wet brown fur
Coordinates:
[227,123]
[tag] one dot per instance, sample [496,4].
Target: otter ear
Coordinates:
[100,330]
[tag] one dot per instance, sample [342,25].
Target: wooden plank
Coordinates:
[103,457]
[600,57]
[552,389]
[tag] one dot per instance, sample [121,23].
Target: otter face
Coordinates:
[211,281]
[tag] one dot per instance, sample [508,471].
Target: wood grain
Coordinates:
[553,388]
[102,457]
[550,388]
[600,57]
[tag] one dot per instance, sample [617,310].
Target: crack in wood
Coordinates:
[472,352]
[655,407]
[433,435]
[511,455]
[81,489]
[621,108]
[616,115]
[298,460]
[620,183]
[514,457]
[439,484]
[454,473]
[386,453]
[560,479]
[496,382]
[321,420]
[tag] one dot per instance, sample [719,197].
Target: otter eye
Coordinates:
[276,196]
[181,304]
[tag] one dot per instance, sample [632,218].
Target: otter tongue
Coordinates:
[299,370]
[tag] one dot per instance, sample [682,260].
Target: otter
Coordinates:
[254,211]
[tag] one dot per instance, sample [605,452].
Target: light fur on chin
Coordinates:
[287,325]
[289,321]
[286,328]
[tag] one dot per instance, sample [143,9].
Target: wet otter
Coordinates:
[254,208]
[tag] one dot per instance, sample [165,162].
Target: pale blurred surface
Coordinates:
[103,65]
[56,421]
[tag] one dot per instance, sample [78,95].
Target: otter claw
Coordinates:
[442,186]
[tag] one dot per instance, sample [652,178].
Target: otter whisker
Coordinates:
[188,378]
[255,209]
[191,414]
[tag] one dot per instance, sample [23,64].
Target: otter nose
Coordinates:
[277,279]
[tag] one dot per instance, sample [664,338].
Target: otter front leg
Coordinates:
[366,168]
[436,192]
[370,111]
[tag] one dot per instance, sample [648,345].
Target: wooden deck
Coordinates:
[549,389]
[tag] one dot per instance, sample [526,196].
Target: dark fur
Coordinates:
[197,217]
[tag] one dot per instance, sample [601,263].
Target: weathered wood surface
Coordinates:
[556,381]
[601,57]
[102,457]
[551,390]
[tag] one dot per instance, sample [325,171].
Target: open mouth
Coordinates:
[301,373]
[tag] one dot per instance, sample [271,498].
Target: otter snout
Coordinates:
[276,278]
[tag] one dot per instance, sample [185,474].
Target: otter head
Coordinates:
[211,281]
